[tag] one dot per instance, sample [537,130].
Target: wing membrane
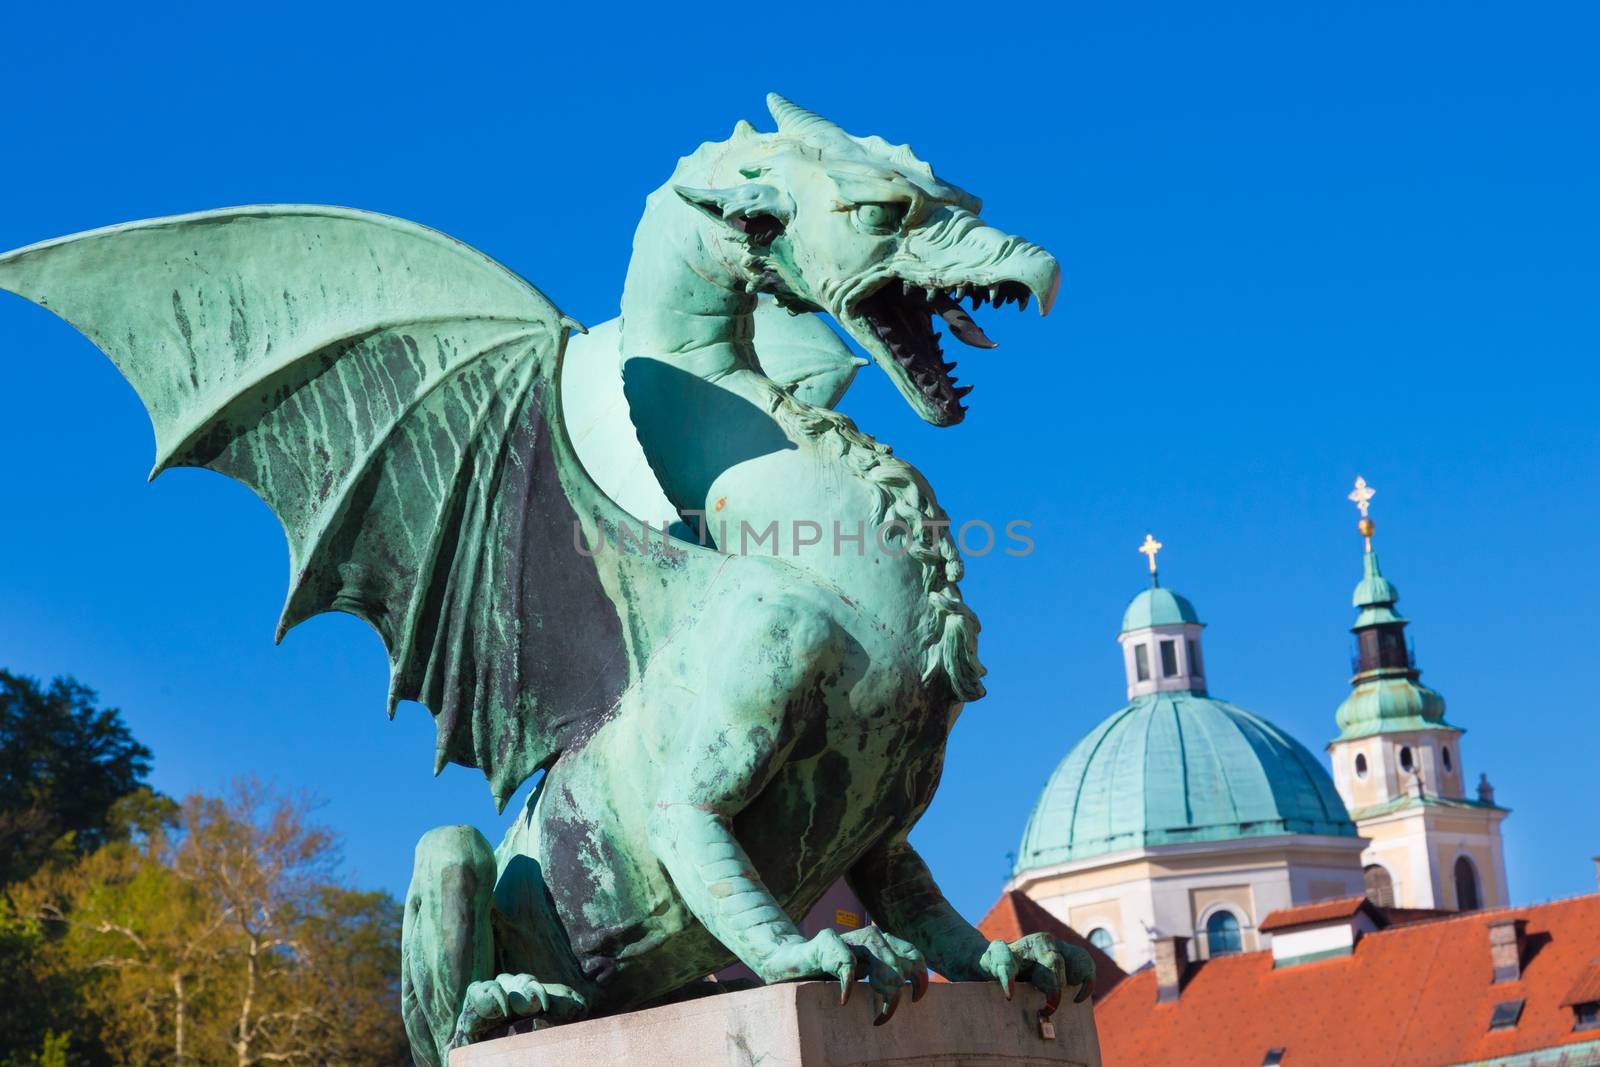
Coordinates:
[389,393]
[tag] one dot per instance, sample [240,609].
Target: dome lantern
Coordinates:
[1160,638]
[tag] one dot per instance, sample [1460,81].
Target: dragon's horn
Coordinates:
[792,118]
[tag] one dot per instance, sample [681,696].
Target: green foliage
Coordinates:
[137,931]
[64,764]
[218,933]
[70,782]
[32,995]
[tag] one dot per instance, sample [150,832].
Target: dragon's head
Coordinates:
[864,231]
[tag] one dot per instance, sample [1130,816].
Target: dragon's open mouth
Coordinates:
[900,316]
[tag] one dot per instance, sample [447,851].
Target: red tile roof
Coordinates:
[1396,916]
[1015,914]
[1320,912]
[1415,995]
[1586,990]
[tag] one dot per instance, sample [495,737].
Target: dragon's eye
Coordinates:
[880,218]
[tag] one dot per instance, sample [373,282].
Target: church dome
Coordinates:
[1158,607]
[1178,768]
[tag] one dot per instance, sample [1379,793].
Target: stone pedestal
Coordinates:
[802,1025]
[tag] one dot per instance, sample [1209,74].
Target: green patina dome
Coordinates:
[1157,607]
[1176,768]
[1394,702]
[1375,595]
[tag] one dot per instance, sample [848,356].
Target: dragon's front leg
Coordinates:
[450,992]
[898,890]
[774,655]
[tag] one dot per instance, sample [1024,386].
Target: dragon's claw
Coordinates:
[1049,965]
[888,963]
[885,961]
[508,997]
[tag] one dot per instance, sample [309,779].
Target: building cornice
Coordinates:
[1199,849]
[1403,807]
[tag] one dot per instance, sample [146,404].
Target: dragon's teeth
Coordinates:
[1022,302]
[994,295]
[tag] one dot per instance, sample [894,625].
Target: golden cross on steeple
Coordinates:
[1362,496]
[1150,547]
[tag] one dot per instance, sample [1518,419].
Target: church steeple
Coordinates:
[1387,694]
[1397,763]
[1379,629]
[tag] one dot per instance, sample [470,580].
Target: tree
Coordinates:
[40,1004]
[64,764]
[226,938]
[70,780]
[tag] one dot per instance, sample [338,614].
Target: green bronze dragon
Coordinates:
[723,730]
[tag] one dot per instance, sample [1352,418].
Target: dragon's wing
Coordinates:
[389,393]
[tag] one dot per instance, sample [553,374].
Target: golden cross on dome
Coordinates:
[1150,547]
[1362,496]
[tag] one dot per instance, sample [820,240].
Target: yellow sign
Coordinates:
[848,919]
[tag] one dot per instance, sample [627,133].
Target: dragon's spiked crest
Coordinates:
[864,231]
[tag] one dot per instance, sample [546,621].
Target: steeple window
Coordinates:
[1466,876]
[1194,658]
[1406,762]
[1169,659]
[1141,662]
[1380,885]
[1382,647]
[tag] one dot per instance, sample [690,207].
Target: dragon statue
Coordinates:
[720,731]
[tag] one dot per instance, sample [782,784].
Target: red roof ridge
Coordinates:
[1511,911]
[1315,912]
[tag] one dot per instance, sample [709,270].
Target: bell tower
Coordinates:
[1398,765]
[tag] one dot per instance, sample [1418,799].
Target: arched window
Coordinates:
[1445,754]
[1380,886]
[1101,939]
[1405,758]
[1361,765]
[1222,934]
[1466,885]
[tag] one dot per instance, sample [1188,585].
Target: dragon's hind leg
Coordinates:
[450,994]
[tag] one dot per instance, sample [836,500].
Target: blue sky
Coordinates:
[1298,245]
